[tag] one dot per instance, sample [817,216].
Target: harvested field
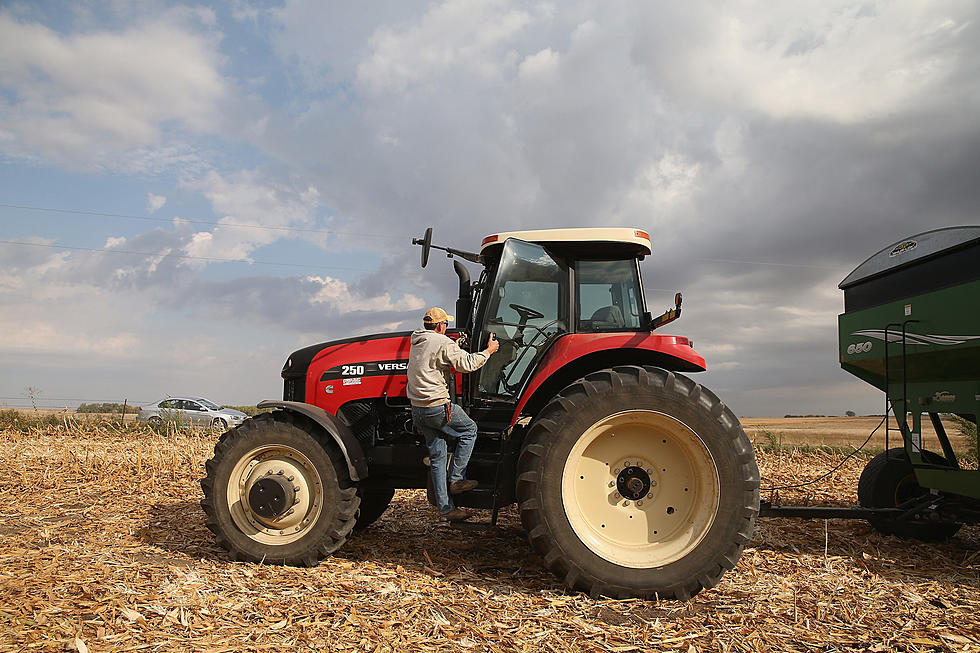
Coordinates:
[841,431]
[104,547]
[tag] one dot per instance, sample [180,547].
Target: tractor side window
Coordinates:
[607,293]
[528,308]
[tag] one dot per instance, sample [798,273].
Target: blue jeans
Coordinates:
[432,422]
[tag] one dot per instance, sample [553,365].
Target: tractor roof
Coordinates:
[600,241]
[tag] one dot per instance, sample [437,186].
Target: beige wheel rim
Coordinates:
[640,489]
[291,466]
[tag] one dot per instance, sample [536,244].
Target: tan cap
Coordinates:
[435,315]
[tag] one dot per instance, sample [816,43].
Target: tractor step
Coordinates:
[471,525]
[481,498]
[477,525]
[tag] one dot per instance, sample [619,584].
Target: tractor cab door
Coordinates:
[527,308]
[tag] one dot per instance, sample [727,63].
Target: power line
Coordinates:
[212,223]
[182,256]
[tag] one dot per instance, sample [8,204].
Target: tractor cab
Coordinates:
[539,287]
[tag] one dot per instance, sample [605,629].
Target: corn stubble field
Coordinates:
[103,547]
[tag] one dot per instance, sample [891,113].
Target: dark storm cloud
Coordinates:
[768,161]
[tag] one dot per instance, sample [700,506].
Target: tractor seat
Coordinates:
[608,317]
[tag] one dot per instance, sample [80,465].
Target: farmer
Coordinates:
[432,355]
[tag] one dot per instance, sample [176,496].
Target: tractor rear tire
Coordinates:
[888,480]
[638,482]
[374,502]
[302,469]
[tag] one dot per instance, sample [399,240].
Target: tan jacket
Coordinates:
[429,360]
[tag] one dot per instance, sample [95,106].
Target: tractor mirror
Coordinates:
[426,243]
[668,316]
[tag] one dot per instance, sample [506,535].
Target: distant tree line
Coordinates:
[109,407]
[103,408]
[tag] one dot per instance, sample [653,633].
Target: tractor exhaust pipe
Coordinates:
[464,301]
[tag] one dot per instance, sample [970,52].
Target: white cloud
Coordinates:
[52,337]
[838,61]
[324,40]
[91,98]
[539,65]
[664,187]
[457,35]
[248,197]
[338,294]
[155,202]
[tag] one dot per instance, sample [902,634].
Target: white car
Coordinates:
[193,410]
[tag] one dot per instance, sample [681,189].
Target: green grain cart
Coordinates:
[911,327]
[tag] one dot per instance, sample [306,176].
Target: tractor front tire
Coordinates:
[278,491]
[888,481]
[638,482]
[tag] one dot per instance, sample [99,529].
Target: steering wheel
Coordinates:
[526,313]
[538,341]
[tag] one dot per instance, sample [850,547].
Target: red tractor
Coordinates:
[632,480]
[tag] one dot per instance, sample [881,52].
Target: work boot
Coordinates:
[456,514]
[461,486]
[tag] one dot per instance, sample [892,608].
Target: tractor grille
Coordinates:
[294,389]
[362,419]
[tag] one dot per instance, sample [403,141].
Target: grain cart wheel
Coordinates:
[888,481]
[635,482]
[277,492]
[374,502]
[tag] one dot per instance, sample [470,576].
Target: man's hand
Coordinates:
[492,345]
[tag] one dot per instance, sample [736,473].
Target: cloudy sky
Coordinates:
[189,193]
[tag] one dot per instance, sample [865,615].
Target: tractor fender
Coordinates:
[341,434]
[574,355]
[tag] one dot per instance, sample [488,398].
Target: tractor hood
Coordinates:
[330,374]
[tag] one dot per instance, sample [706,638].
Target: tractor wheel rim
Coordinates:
[648,451]
[290,466]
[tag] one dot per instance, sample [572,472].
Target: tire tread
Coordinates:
[546,428]
[259,429]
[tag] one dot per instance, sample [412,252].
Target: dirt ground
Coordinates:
[103,547]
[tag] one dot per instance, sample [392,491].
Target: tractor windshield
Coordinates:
[528,307]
